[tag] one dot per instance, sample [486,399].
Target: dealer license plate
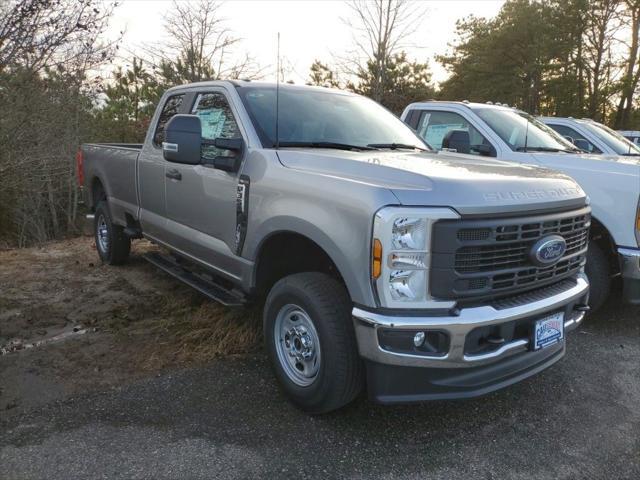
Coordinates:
[548,331]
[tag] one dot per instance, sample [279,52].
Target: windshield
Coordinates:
[522,132]
[325,119]
[612,139]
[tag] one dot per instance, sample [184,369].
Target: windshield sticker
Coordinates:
[435,133]
[212,122]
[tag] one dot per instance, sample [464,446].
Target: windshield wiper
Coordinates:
[336,145]
[395,146]
[542,149]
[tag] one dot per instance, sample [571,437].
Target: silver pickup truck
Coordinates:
[378,261]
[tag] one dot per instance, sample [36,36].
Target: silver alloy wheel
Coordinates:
[103,234]
[297,345]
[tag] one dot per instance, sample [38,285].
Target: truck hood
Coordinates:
[611,182]
[470,184]
[621,159]
[626,163]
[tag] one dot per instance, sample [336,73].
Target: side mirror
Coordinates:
[233,144]
[457,141]
[229,163]
[582,144]
[183,139]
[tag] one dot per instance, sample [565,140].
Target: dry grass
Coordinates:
[152,320]
[198,333]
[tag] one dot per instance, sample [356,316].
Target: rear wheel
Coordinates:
[599,275]
[310,339]
[111,242]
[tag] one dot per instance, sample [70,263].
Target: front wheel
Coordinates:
[310,339]
[111,242]
[599,275]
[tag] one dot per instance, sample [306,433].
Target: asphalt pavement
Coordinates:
[228,420]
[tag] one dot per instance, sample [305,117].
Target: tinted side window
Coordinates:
[574,135]
[413,117]
[434,125]
[171,107]
[217,121]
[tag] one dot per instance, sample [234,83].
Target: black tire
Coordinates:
[599,274]
[340,376]
[115,250]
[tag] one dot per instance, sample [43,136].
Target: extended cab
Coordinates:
[378,261]
[611,182]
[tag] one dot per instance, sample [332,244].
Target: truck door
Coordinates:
[202,200]
[151,166]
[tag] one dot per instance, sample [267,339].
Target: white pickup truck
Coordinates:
[592,137]
[611,181]
[631,135]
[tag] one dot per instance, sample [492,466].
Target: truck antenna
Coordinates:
[278,93]
[526,134]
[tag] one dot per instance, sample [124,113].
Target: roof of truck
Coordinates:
[463,103]
[254,84]
[560,119]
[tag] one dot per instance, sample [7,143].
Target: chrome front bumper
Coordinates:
[630,270]
[457,327]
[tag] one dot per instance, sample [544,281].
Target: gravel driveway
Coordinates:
[225,418]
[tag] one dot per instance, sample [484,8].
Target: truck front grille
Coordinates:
[473,259]
[488,257]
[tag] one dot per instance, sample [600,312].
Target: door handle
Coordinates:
[173,174]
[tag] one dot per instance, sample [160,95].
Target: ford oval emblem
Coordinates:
[548,250]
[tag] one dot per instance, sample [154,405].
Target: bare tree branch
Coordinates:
[381,29]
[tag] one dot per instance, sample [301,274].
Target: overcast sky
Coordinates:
[309,29]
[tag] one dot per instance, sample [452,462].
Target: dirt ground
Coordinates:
[140,391]
[130,322]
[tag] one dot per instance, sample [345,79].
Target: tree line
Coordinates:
[553,57]
[556,57]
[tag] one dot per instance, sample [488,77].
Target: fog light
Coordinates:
[429,343]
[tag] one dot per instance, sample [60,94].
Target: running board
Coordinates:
[207,287]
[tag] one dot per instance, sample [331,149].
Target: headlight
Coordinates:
[408,285]
[409,233]
[400,257]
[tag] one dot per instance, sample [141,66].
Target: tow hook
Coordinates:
[582,308]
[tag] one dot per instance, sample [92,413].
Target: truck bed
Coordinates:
[128,146]
[114,165]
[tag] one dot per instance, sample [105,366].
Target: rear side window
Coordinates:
[171,108]
[217,121]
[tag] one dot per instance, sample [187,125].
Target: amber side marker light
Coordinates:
[376,261]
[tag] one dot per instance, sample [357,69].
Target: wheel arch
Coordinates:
[97,191]
[284,252]
[600,234]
